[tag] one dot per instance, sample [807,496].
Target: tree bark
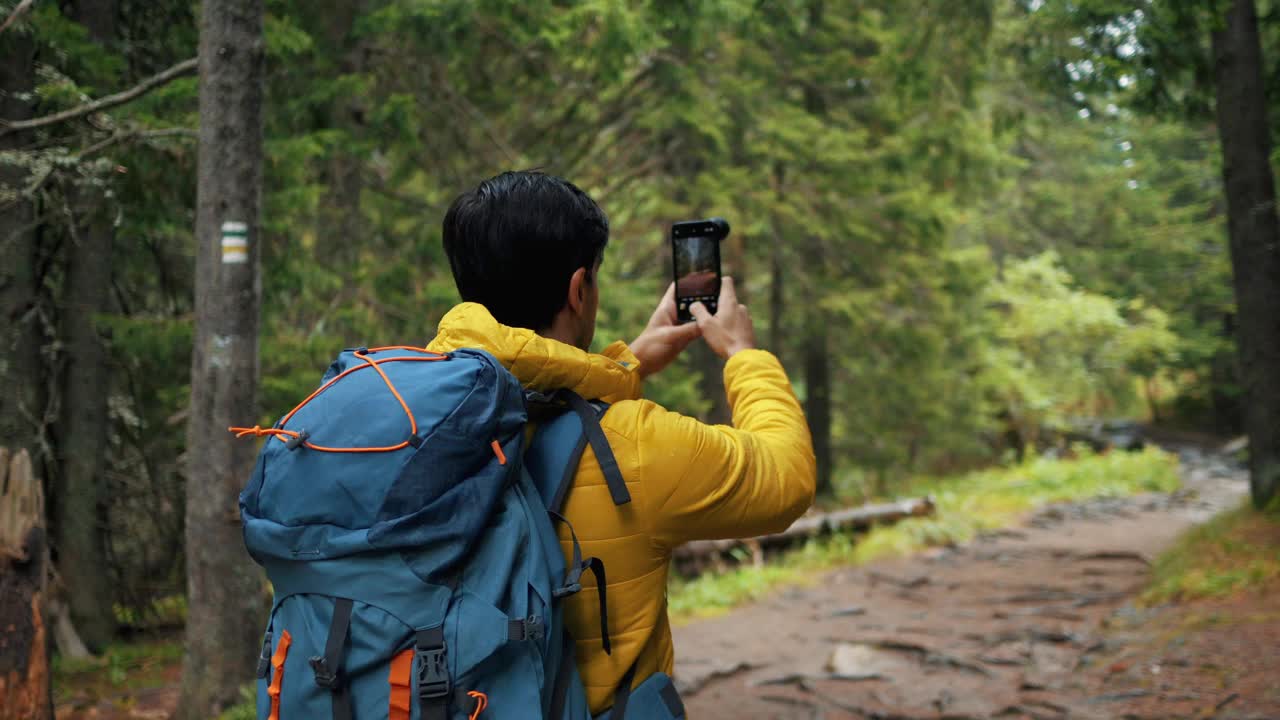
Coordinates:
[22,402]
[1254,231]
[224,587]
[79,530]
[817,356]
[776,295]
[24,663]
[79,521]
[711,380]
[25,690]
[817,392]
[342,230]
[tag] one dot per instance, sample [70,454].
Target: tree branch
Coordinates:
[18,12]
[138,135]
[185,67]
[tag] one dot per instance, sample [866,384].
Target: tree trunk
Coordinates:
[776,301]
[79,523]
[78,527]
[1254,231]
[711,380]
[99,17]
[224,587]
[22,402]
[817,356]
[817,395]
[24,662]
[25,690]
[342,230]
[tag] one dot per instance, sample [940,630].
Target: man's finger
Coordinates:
[728,295]
[685,332]
[699,312]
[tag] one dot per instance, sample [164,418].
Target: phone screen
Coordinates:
[697,261]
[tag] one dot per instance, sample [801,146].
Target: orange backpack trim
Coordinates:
[294,438]
[401,680]
[277,674]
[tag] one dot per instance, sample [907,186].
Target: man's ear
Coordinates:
[577,299]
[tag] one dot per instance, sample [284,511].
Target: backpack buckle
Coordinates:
[325,677]
[534,628]
[529,628]
[264,657]
[433,673]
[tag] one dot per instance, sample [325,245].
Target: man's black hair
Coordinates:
[515,241]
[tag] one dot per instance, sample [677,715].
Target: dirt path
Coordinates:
[1018,624]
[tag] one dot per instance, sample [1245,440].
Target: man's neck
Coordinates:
[561,329]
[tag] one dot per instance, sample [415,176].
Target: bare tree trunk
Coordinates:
[777,276]
[711,380]
[817,393]
[24,662]
[342,228]
[776,297]
[224,587]
[25,691]
[1254,231]
[817,356]
[79,536]
[78,528]
[22,402]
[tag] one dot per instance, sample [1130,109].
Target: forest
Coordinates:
[975,232]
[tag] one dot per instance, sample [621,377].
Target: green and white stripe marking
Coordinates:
[235,242]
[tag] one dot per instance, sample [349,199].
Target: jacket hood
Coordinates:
[541,363]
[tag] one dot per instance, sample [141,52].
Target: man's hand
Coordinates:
[730,329]
[664,338]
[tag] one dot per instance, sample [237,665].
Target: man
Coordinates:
[525,249]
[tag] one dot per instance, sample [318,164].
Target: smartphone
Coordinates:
[695,252]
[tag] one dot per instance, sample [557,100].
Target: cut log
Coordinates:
[812,525]
[24,661]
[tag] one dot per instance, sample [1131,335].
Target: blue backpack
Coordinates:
[409,538]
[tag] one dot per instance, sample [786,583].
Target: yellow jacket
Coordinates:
[688,480]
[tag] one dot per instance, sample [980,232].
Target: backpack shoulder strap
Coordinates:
[557,448]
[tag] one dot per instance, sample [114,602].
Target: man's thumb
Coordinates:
[699,312]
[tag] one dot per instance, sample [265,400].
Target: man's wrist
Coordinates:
[638,351]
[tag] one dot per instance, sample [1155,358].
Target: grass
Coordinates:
[121,668]
[965,506]
[246,709]
[1237,551]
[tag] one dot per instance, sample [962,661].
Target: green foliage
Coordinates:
[246,709]
[1059,350]
[965,506]
[990,499]
[709,593]
[1236,551]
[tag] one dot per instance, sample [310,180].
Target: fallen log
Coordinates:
[812,525]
